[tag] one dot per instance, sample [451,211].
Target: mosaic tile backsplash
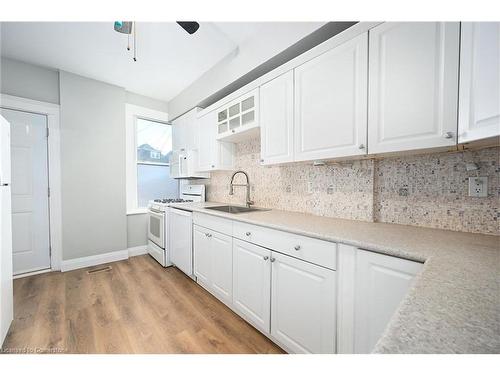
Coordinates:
[425,190]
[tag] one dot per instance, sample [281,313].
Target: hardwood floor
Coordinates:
[136,307]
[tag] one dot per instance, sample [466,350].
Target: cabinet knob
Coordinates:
[213,166]
[272,259]
[297,247]
[361,146]
[262,160]
[232,131]
[448,135]
[265,258]
[248,234]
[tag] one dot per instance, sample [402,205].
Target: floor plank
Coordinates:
[136,307]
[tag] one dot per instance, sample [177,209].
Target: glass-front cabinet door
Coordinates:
[238,115]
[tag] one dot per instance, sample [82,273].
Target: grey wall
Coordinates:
[29,81]
[137,230]
[92,167]
[145,101]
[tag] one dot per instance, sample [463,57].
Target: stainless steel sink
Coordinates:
[236,209]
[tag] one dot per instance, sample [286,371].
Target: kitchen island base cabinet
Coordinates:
[303,305]
[252,283]
[213,262]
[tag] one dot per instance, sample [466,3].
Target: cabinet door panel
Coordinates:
[252,283]
[202,256]
[381,283]
[276,119]
[303,307]
[206,140]
[479,102]
[222,266]
[331,103]
[413,86]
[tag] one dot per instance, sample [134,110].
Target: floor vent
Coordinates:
[96,270]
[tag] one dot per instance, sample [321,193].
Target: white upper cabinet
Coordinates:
[381,282]
[276,120]
[479,102]
[238,120]
[303,306]
[184,134]
[413,86]
[212,154]
[331,103]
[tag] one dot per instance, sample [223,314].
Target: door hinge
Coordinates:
[48,191]
[50,250]
[47,132]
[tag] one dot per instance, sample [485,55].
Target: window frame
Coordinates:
[132,113]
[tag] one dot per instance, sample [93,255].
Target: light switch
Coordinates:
[478,187]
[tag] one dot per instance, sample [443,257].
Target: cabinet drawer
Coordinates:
[213,222]
[316,251]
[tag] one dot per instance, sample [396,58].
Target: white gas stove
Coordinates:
[158,223]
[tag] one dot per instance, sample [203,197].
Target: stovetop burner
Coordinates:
[172,200]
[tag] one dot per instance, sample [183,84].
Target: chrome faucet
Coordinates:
[247,185]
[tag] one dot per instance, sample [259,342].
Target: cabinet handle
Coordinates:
[297,247]
[208,235]
[272,259]
[361,146]
[448,135]
[248,234]
[265,258]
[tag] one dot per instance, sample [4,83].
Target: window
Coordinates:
[154,146]
[148,146]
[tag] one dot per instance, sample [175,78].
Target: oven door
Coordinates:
[156,227]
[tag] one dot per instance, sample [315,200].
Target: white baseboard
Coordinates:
[94,260]
[137,250]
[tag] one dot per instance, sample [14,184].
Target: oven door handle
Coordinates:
[155,212]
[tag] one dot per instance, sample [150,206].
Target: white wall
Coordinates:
[29,81]
[270,41]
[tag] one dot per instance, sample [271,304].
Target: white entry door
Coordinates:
[30,183]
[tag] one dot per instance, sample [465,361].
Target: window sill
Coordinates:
[137,211]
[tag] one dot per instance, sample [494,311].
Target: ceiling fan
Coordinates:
[130,27]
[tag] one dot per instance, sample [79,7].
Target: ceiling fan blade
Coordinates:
[190,26]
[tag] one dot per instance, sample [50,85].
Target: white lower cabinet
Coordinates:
[202,256]
[213,265]
[371,287]
[303,307]
[222,266]
[252,283]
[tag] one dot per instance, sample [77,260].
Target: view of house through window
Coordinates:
[154,146]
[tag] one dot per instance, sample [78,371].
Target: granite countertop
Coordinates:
[454,304]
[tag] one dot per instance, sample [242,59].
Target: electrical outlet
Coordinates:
[478,186]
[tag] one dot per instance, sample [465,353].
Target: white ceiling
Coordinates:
[168,58]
